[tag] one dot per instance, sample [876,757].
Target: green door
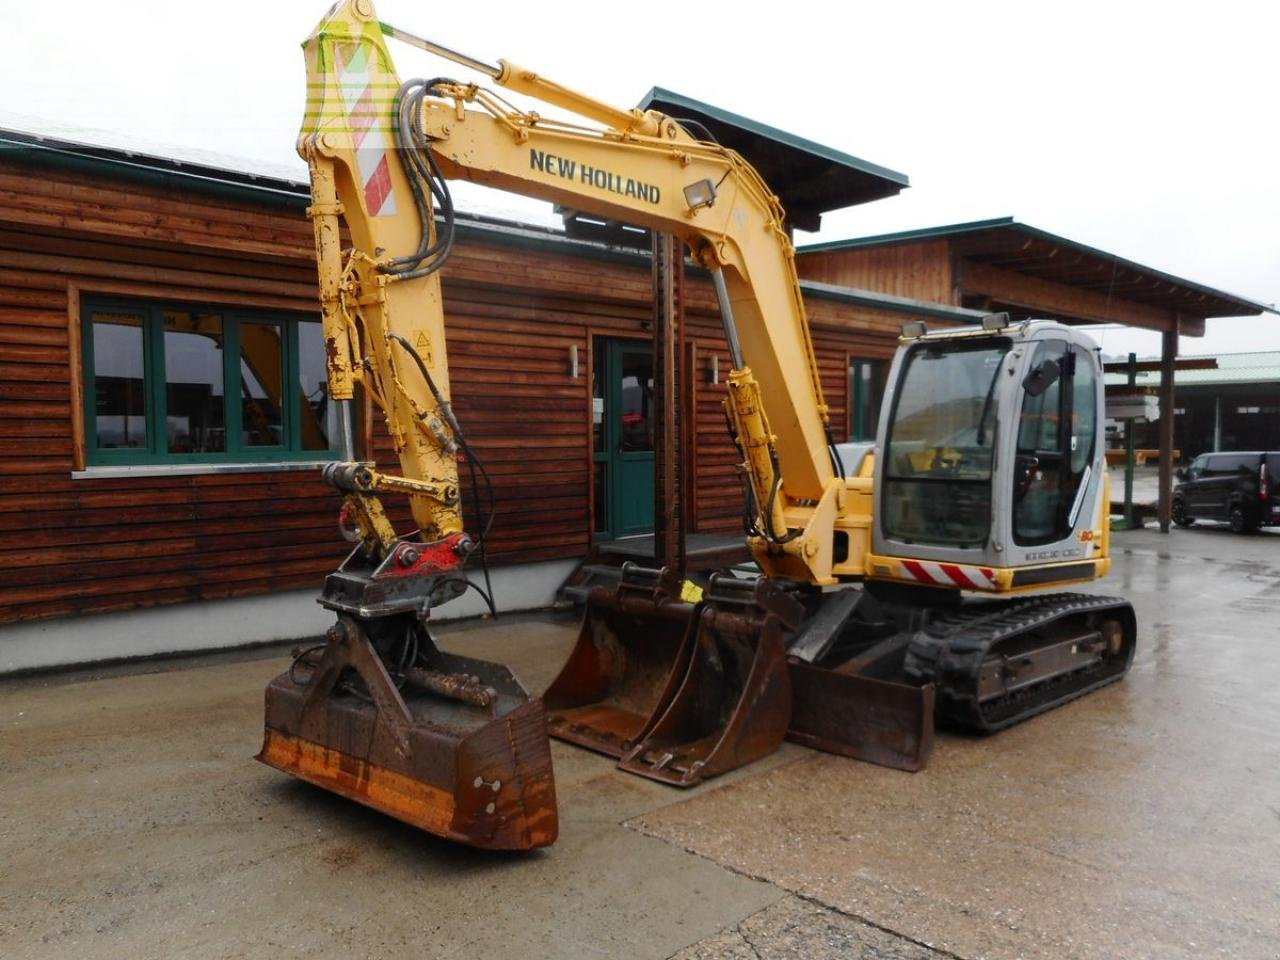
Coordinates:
[622,417]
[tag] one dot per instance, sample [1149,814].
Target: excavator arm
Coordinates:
[712,200]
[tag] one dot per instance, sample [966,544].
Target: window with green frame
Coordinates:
[171,383]
[864,398]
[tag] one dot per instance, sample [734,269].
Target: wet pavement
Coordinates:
[1142,821]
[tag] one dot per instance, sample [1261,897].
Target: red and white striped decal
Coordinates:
[365,107]
[949,574]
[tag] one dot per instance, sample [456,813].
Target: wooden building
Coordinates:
[151,460]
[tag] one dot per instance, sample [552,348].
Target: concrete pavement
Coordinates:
[1143,821]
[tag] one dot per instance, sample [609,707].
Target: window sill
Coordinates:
[193,469]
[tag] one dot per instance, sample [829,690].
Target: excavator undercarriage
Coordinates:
[997,663]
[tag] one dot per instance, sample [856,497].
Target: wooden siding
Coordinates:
[513,309]
[99,545]
[922,270]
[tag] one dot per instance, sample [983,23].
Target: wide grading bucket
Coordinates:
[454,746]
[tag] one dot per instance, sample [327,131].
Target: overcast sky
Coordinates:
[1147,129]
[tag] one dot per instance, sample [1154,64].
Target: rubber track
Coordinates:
[950,650]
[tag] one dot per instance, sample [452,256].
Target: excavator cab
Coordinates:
[991,456]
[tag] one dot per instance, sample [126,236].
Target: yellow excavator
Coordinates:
[899,582]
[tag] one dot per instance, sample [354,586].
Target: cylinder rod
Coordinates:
[346,437]
[459,58]
[726,317]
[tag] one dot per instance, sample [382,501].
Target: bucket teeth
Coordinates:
[732,704]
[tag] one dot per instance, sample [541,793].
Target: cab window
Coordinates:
[940,443]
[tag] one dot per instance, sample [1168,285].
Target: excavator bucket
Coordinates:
[457,748]
[732,702]
[631,644]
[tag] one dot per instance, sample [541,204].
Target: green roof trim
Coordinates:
[908,236]
[153,170]
[1233,368]
[888,301]
[773,133]
[1009,223]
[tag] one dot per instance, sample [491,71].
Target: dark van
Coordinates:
[1238,488]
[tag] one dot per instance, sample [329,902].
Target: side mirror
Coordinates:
[1182,474]
[1044,375]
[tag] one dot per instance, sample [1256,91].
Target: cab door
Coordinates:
[1053,464]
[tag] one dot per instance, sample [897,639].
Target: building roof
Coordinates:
[1258,367]
[204,174]
[248,179]
[809,178]
[195,168]
[1004,242]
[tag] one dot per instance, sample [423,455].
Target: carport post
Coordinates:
[668,341]
[1168,355]
[1128,450]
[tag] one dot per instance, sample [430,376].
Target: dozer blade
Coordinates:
[859,716]
[459,750]
[733,701]
[859,704]
[630,647]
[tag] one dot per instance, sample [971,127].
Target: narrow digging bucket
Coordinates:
[733,702]
[629,649]
[458,750]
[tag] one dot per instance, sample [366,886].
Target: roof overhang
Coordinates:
[809,178]
[990,253]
